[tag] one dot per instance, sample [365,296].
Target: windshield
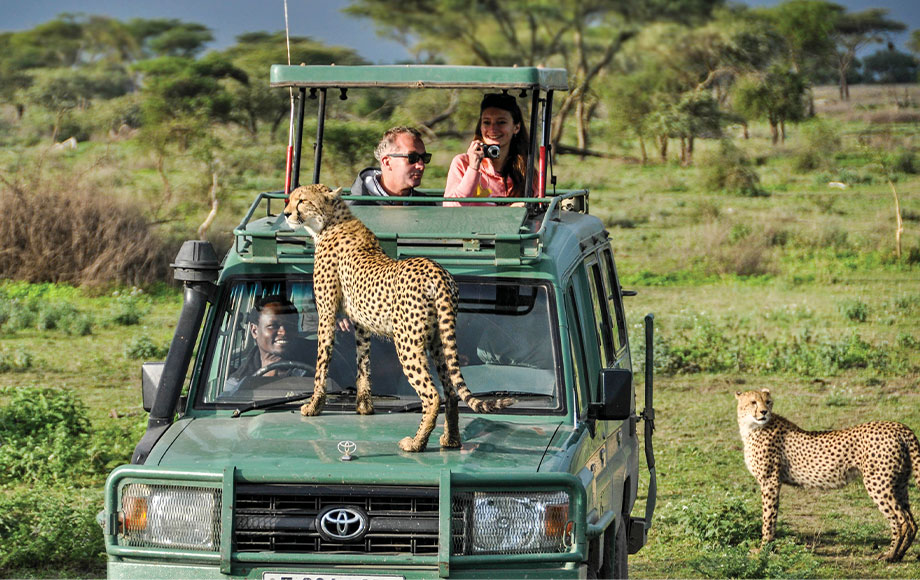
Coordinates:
[264,347]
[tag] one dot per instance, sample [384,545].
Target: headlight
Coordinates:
[511,523]
[167,516]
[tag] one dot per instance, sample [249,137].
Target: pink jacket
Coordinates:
[464,183]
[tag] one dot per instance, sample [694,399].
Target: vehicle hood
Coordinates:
[261,445]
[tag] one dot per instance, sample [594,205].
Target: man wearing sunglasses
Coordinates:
[402,156]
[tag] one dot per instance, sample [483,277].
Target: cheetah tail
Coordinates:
[447,329]
[913,446]
[482,405]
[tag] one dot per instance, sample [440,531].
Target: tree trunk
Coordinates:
[774,132]
[663,147]
[642,150]
[899,223]
[582,129]
[215,203]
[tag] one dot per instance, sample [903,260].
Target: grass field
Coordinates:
[795,286]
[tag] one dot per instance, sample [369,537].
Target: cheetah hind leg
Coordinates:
[450,439]
[364,402]
[415,367]
[884,493]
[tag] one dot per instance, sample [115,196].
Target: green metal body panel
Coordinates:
[419,77]
[268,442]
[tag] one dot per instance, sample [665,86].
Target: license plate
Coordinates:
[324,576]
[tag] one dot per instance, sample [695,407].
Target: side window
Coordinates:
[602,319]
[615,304]
[579,364]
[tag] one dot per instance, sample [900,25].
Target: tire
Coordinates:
[617,566]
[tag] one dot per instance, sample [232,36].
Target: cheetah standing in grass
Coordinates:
[883,452]
[413,302]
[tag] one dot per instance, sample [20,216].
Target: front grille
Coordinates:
[282,518]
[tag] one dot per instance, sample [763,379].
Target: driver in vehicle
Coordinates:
[274,326]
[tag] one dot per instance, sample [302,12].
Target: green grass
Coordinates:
[798,290]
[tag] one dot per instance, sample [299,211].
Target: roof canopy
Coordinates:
[419,76]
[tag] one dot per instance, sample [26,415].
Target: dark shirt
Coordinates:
[368,183]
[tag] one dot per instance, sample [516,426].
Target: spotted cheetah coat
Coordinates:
[884,453]
[412,301]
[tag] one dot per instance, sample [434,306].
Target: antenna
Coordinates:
[290,147]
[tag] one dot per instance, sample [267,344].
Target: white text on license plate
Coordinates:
[324,576]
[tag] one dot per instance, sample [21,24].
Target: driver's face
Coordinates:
[273,333]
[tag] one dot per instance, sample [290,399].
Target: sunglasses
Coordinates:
[413,157]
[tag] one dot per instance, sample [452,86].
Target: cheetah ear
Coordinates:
[334,193]
[737,394]
[765,391]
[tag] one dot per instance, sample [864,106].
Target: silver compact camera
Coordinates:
[492,151]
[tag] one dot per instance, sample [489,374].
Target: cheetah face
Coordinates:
[310,206]
[754,408]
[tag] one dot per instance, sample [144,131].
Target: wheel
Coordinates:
[615,554]
[285,364]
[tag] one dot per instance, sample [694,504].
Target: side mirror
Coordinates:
[616,390]
[150,381]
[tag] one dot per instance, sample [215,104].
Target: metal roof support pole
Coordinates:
[534,116]
[298,138]
[320,128]
[547,134]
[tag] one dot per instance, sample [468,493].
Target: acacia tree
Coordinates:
[913,44]
[581,35]
[256,102]
[807,28]
[778,95]
[183,100]
[854,31]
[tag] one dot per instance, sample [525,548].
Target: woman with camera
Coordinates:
[496,161]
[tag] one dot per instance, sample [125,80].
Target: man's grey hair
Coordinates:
[388,142]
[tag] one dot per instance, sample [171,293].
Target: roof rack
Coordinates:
[502,234]
[419,76]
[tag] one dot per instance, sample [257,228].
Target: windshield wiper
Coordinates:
[268,403]
[513,394]
[337,396]
[417,405]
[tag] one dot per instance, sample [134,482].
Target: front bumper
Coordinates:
[222,560]
[129,570]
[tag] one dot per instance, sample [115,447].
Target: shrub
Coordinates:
[97,242]
[130,308]
[47,437]
[714,348]
[730,170]
[16,361]
[821,144]
[731,521]
[854,310]
[778,560]
[41,529]
[66,318]
[143,348]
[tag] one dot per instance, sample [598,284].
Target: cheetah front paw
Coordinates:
[312,408]
[450,441]
[409,445]
[365,406]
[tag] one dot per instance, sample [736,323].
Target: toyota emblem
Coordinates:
[342,524]
[346,448]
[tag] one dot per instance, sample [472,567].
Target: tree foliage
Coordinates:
[582,36]
[778,95]
[855,30]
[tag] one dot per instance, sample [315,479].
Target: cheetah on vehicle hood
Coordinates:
[412,301]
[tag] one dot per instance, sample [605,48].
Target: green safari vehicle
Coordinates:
[230,481]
